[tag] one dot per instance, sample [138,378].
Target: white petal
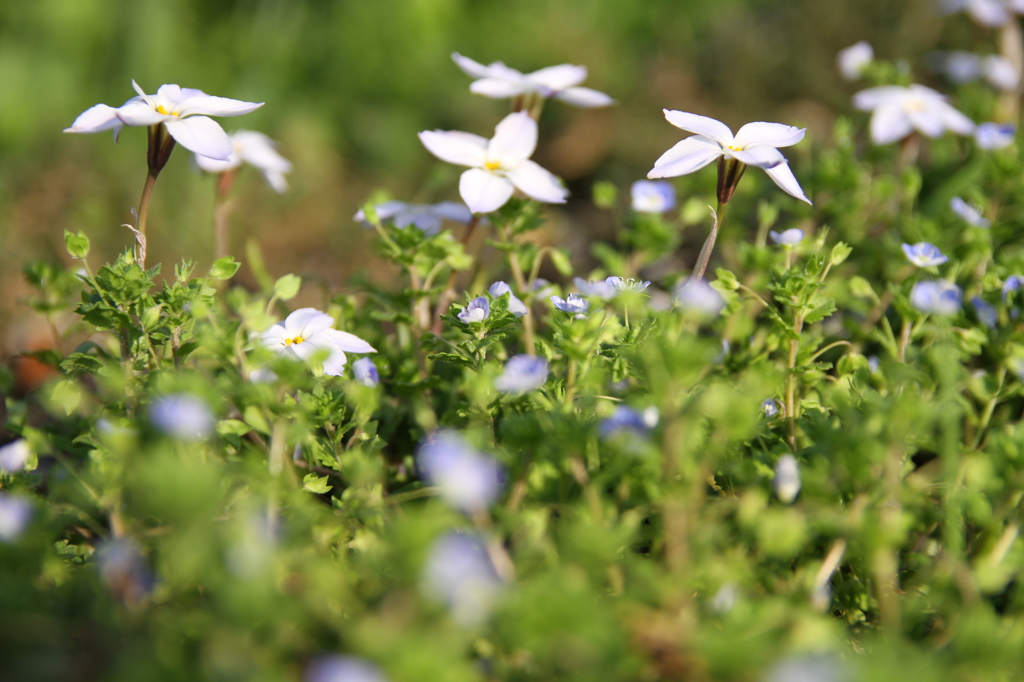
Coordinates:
[275,337]
[557,78]
[889,123]
[260,151]
[345,341]
[872,98]
[988,12]
[702,125]
[471,67]
[927,122]
[498,88]
[514,140]
[761,155]
[453,146]
[172,93]
[585,97]
[687,156]
[782,176]
[305,322]
[775,134]
[334,365]
[208,165]
[957,121]
[209,105]
[138,113]
[538,183]
[95,119]
[138,89]
[201,135]
[484,191]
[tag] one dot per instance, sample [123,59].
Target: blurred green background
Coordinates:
[348,83]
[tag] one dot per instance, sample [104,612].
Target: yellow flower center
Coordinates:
[160,110]
[294,341]
[734,148]
[492,165]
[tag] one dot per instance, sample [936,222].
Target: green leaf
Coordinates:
[452,359]
[66,394]
[560,259]
[315,484]
[76,244]
[840,252]
[287,287]
[606,195]
[726,280]
[225,268]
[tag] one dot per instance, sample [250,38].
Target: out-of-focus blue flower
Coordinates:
[787,478]
[254,540]
[1012,283]
[653,196]
[995,135]
[478,310]
[972,214]
[515,306]
[698,296]
[522,373]
[939,296]
[990,13]
[770,407]
[123,570]
[986,313]
[628,284]
[817,668]
[790,237]
[574,304]
[15,514]
[924,255]
[625,418]
[366,372]
[601,288]
[182,416]
[14,456]
[467,479]
[342,669]
[426,217]
[459,573]
[873,363]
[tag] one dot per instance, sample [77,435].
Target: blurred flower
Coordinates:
[756,144]
[924,255]
[991,13]
[255,149]
[770,407]
[787,478]
[497,166]
[460,574]
[627,419]
[184,112]
[14,456]
[653,197]
[939,296]
[342,669]
[515,306]
[574,304]
[182,416]
[628,284]
[995,135]
[307,331]
[254,539]
[522,373]
[897,111]
[426,217]
[15,514]
[971,214]
[964,67]
[477,310]
[561,82]
[601,288]
[1012,283]
[1000,73]
[790,237]
[986,312]
[852,60]
[366,372]
[873,363]
[725,599]
[467,479]
[123,570]
[699,296]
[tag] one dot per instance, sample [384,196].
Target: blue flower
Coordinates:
[478,310]
[698,296]
[426,217]
[15,514]
[1012,283]
[515,306]
[939,296]
[14,456]
[467,479]
[653,197]
[627,284]
[995,135]
[366,372]
[770,407]
[574,304]
[601,288]
[986,312]
[625,418]
[460,574]
[790,237]
[522,373]
[342,669]
[924,255]
[182,416]
[972,214]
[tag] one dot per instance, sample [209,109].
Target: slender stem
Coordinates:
[904,340]
[221,213]
[517,274]
[709,244]
[794,347]
[570,382]
[147,191]
[448,295]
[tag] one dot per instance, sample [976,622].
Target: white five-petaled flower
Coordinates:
[755,144]
[561,82]
[897,111]
[308,331]
[790,237]
[255,149]
[924,255]
[426,217]
[972,214]
[498,166]
[852,60]
[185,112]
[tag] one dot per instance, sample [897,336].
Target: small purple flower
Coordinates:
[477,310]
[460,574]
[14,456]
[467,479]
[522,373]
[653,197]
[598,289]
[515,306]
[1012,283]
[770,407]
[873,363]
[699,297]
[995,135]
[182,416]
[787,478]
[366,372]
[939,296]
[426,217]
[972,214]
[342,669]
[574,304]
[627,419]
[15,514]
[628,284]
[123,569]
[790,237]
[985,312]
[924,255]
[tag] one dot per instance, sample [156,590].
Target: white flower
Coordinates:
[700,297]
[1000,73]
[255,149]
[15,513]
[14,456]
[628,284]
[307,331]
[522,373]
[790,237]
[940,297]
[459,573]
[787,478]
[964,67]
[497,166]
[755,144]
[995,135]
[184,112]
[924,255]
[971,214]
[467,479]
[991,13]
[426,217]
[561,82]
[852,60]
[653,196]
[897,111]
[366,372]
[515,306]
[182,416]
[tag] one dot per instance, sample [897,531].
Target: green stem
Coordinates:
[709,243]
[517,274]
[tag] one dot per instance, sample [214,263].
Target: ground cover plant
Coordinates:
[796,458]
